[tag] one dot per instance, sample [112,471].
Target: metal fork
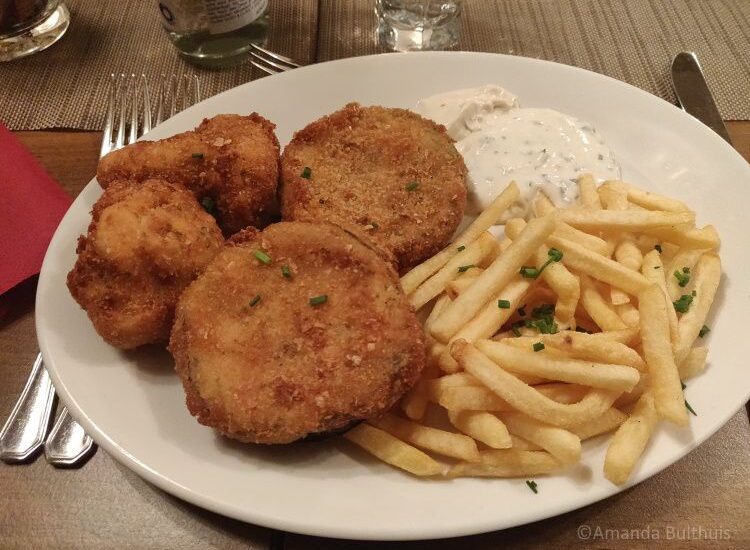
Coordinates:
[24,432]
[271,62]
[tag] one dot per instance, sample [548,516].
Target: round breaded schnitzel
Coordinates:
[387,173]
[230,163]
[145,244]
[296,330]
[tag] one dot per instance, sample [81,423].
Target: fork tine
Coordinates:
[262,67]
[134,111]
[107,137]
[196,89]
[174,87]
[269,63]
[146,106]
[161,100]
[122,94]
[276,56]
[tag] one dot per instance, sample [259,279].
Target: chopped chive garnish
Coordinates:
[286,272]
[554,254]
[503,304]
[688,407]
[317,300]
[694,294]
[463,268]
[461,248]
[412,186]
[514,328]
[263,257]
[209,205]
[254,301]
[538,346]
[683,278]
[532,485]
[657,248]
[543,310]
[657,267]
[306,173]
[683,304]
[704,330]
[529,272]
[197,155]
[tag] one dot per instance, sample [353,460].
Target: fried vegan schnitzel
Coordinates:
[387,173]
[296,330]
[230,163]
[144,245]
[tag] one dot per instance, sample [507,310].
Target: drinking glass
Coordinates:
[28,26]
[406,25]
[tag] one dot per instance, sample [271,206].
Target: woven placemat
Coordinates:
[631,40]
[66,85]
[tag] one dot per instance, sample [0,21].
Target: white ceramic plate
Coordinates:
[133,405]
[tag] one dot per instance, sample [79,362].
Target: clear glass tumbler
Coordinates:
[28,26]
[408,25]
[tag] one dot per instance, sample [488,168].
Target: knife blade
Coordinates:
[693,93]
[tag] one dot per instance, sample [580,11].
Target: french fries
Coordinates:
[575,324]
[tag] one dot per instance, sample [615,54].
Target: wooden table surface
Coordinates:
[701,498]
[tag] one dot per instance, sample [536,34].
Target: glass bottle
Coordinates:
[215,33]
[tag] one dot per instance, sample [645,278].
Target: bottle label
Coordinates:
[228,15]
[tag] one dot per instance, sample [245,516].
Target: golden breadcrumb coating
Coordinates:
[387,173]
[231,159]
[261,363]
[145,244]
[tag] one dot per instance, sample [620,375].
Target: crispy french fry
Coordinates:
[493,279]
[628,254]
[650,200]
[520,444]
[602,313]
[457,286]
[508,463]
[437,309]
[617,297]
[591,347]
[484,221]
[471,398]
[439,441]
[542,205]
[688,237]
[393,451]
[470,256]
[628,336]
[653,270]
[629,441]
[597,375]
[629,314]
[707,278]
[613,197]
[665,380]
[489,320]
[605,423]
[694,364]
[414,403]
[525,398]
[623,220]
[589,196]
[560,443]
[599,267]
[593,243]
[482,426]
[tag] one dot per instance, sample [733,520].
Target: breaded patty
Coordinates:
[296,330]
[230,162]
[387,173]
[145,244]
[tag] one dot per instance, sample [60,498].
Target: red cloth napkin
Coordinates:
[31,206]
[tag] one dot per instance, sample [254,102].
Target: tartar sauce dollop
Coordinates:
[541,149]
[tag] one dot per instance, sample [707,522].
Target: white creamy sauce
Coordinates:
[541,149]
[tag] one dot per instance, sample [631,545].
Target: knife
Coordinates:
[693,94]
